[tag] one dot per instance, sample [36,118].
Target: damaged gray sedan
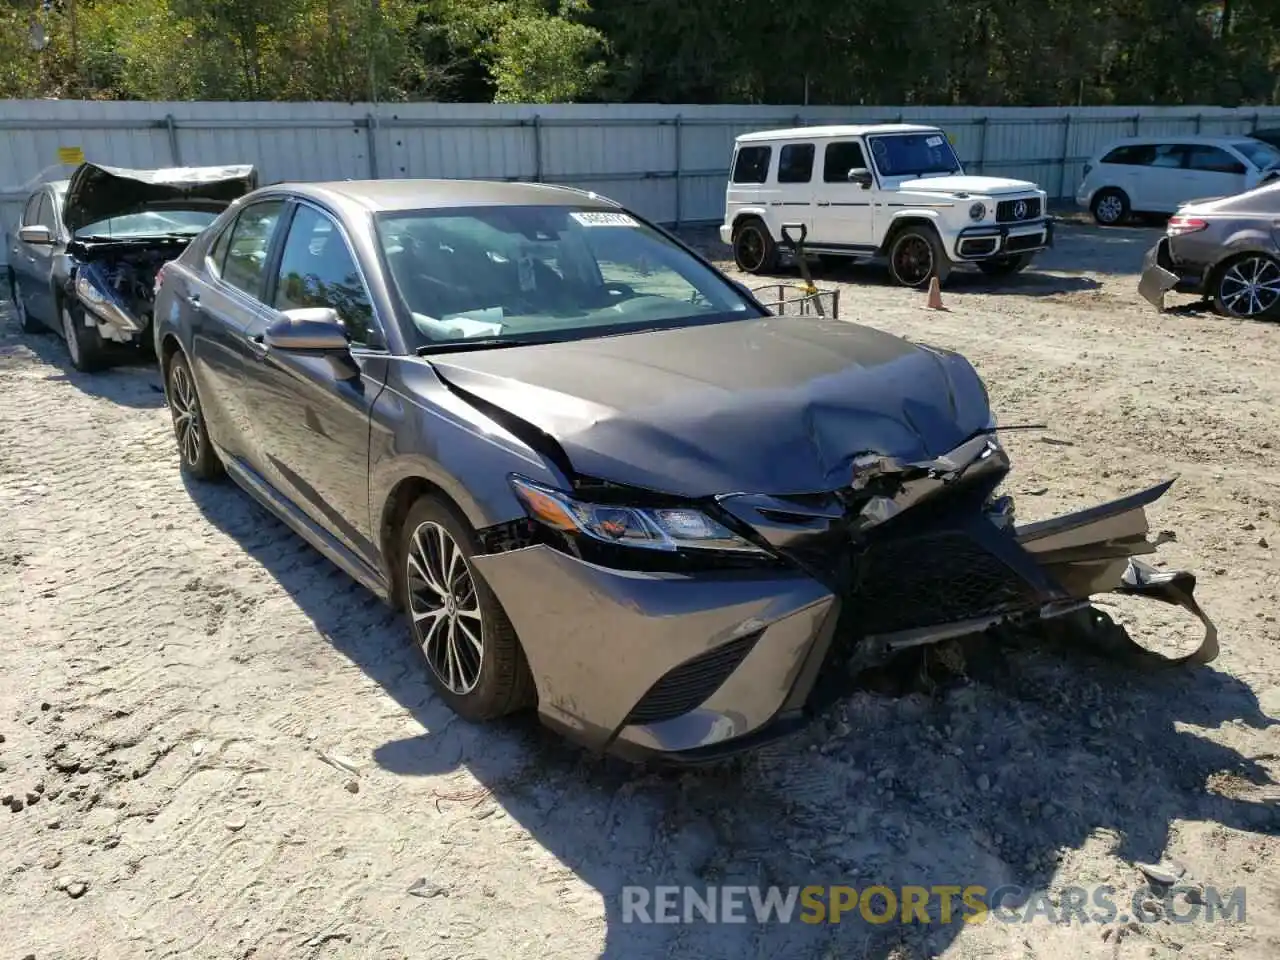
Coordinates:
[600,479]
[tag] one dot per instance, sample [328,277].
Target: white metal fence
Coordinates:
[667,162]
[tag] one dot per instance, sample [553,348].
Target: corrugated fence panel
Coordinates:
[668,162]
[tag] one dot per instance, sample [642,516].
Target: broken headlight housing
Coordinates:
[651,528]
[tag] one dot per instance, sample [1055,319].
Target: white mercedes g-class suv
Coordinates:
[887,190]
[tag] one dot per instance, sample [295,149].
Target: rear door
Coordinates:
[311,410]
[792,199]
[1161,185]
[223,310]
[1212,171]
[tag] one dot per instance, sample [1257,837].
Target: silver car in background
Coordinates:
[1226,250]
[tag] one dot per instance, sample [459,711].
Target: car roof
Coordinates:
[835,130]
[405,194]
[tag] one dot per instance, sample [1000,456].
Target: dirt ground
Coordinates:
[216,745]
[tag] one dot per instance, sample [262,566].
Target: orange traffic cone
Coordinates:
[935,295]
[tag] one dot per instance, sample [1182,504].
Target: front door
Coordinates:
[1212,172]
[311,410]
[844,212]
[33,263]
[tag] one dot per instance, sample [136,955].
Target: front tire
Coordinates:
[195,450]
[916,256]
[754,250]
[1248,288]
[84,344]
[474,660]
[1110,207]
[1005,266]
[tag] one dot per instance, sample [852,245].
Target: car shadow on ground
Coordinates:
[131,382]
[990,780]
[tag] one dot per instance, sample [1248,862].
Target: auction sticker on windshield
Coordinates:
[600,218]
[934,142]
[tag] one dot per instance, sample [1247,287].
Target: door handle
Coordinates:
[193,299]
[259,346]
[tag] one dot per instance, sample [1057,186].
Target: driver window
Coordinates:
[31,215]
[45,217]
[317,269]
[839,159]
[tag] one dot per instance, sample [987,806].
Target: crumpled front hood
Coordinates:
[97,193]
[976,186]
[776,405]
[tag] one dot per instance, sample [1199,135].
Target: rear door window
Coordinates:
[1168,155]
[1132,155]
[752,164]
[795,163]
[248,246]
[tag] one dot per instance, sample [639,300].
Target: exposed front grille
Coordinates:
[690,684]
[1028,242]
[1012,211]
[932,579]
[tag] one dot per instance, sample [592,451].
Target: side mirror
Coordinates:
[308,329]
[861,176]
[36,236]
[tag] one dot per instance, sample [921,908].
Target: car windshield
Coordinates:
[512,274]
[149,223]
[913,154]
[1261,155]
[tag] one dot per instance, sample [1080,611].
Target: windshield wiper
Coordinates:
[480,343]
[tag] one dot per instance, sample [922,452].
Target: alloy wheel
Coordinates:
[1250,287]
[1110,209]
[445,608]
[750,249]
[184,405]
[912,260]
[69,332]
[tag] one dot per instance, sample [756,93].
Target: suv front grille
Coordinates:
[1009,211]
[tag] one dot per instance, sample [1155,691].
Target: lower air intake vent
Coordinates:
[690,684]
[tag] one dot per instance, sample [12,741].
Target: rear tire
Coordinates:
[1005,266]
[1248,288]
[754,250]
[195,450]
[84,344]
[26,322]
[473,657]
[1110,207]
[916,256]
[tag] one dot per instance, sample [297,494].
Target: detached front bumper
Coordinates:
[1007,239]
[1161,274]
[693,667]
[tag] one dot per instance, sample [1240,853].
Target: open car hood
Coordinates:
[98,193]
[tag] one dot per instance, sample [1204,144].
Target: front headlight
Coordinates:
[977,211]
[651,528]
[87,292]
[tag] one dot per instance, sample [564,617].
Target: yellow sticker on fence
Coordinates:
[71,155]
[951,139]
